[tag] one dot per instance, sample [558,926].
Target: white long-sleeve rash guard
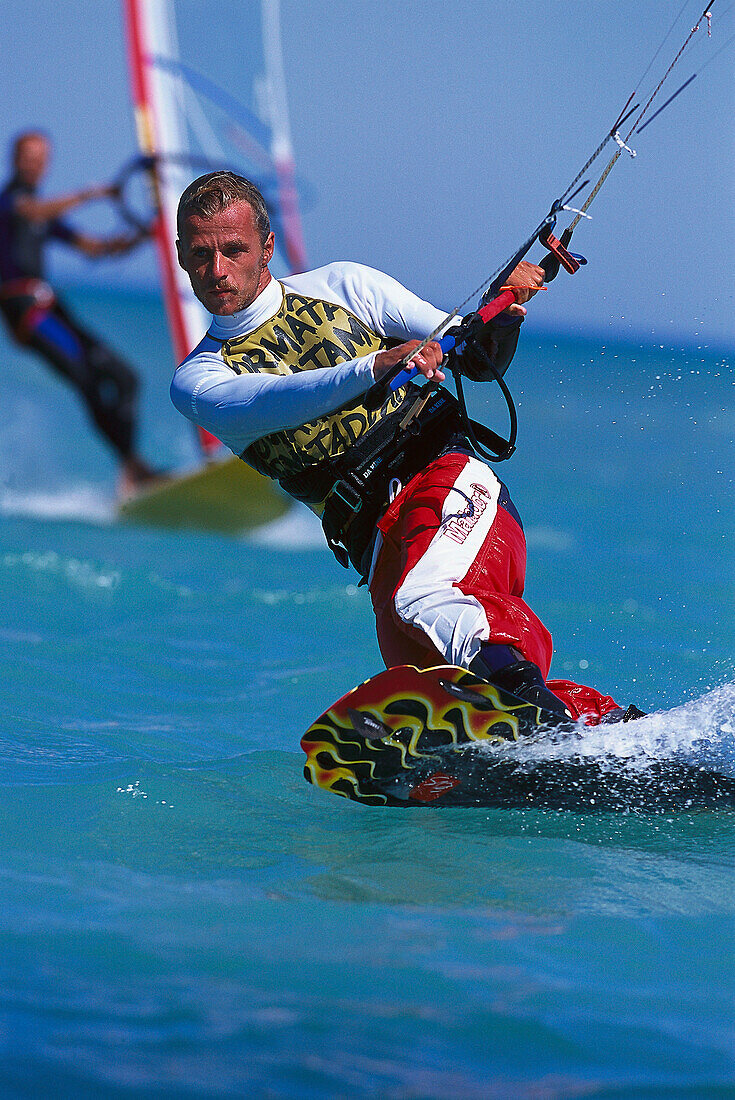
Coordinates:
[240,408]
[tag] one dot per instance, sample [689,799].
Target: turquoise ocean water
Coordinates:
[182,915]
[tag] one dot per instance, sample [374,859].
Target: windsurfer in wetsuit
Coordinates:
[281,379]
[37,319]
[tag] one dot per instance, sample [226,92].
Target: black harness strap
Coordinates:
[359,494]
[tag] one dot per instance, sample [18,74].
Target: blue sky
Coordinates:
[435,136]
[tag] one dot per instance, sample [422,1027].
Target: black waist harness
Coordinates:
[360,478]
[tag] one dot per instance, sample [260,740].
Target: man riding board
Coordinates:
[37,319]
[281,378]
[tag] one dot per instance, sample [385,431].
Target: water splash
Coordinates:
[700,730]
[81,574]
[677,760]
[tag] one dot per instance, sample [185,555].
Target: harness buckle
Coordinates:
[347,495]
[343,503]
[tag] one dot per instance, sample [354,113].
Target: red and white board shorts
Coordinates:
[449,572]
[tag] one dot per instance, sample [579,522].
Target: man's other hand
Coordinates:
[426,362]
[529,278]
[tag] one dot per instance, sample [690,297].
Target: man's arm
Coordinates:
[45,210]
[384,304]
[103,246]
[51,210]
[390,309]
[240,408]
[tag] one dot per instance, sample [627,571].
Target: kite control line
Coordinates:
[497,298]
[453,339]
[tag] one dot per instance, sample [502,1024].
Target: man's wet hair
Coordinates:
[214,192]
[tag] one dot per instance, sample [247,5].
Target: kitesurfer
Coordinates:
[281,379]
[37,319]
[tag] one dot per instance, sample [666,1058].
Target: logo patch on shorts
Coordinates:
[459,527]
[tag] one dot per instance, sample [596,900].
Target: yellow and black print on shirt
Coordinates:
[304,334]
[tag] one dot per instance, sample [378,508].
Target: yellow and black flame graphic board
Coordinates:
[415,737]
[442,737]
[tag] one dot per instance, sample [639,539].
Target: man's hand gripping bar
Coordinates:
[403,372]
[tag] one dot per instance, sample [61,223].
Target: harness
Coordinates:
[398,446]
[25,301]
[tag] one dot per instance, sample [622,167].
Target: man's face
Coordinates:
[31,159]
[223,257]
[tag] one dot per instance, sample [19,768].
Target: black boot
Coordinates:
[620,715]
[524,679]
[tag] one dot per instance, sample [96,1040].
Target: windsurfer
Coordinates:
[37,319]
[281,379]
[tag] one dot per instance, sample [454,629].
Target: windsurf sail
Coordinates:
[188,124]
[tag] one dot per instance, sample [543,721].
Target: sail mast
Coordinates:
[281,149]
[161,130]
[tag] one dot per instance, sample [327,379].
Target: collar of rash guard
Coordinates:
[245,320]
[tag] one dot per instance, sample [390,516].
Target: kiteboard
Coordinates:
[443,737]
[227,497]
[402,737]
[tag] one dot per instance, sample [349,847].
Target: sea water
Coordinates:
[183,915]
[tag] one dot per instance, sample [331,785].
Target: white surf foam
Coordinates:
[699,732]
[298,528]
[549,538]
[88,503]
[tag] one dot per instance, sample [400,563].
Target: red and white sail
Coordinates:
[186,120]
